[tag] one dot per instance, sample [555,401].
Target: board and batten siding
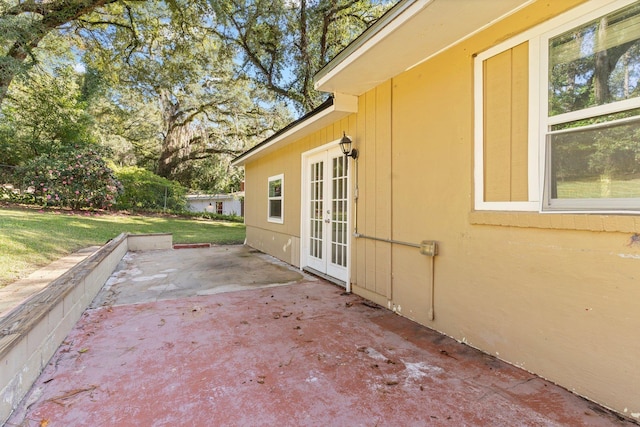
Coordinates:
[506,109]
[371,271]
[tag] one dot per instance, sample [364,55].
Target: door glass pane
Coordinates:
[339,214]
[316,210]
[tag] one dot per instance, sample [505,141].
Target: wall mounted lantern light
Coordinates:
[345,146]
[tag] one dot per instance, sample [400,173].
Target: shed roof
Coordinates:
[206,197]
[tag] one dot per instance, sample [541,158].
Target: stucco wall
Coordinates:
[555,294]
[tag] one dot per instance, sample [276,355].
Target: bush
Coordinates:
[146,191]
[214,216]
[72,177]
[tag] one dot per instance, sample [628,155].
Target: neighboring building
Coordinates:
[223,204]
[507,132]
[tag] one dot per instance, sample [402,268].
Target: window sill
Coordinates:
[587,222]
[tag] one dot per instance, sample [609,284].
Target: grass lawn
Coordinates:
[596,188]
[30,239]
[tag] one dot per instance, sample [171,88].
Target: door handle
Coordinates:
[327,220]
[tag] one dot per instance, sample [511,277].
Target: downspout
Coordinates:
[355,202]
[355,216]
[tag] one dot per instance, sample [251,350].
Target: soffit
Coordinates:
[414,32]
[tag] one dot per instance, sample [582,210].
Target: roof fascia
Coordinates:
[392,19]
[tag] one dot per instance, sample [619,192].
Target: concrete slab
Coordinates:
[303,353]
[168,274]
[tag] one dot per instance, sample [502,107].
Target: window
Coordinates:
[593,115]
[276,199]
[219,208]
[558,114]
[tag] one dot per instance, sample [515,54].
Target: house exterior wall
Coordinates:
[283,240]
[371,271]
[230,206]
[506,90]
[554,294]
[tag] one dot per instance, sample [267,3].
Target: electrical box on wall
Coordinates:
[429,247]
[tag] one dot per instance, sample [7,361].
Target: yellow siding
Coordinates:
[369,190]
[358,249]
[497,129]
[283,240]
[372,267]
[505,124]
[557,302]
[383,188]
[519,123]
[554,294]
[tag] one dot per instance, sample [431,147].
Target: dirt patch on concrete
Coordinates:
[168,274]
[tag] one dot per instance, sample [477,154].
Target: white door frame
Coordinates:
[305,214]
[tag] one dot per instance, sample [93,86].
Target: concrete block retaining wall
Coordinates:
[32,332]
[148,242]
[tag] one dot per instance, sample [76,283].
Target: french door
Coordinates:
[326,227]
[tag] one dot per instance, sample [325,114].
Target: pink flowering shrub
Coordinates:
[77,178]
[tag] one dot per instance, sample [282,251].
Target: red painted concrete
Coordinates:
[293,355]
[191,245]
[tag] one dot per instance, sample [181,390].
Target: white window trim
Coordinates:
[533,203]
[538,120]
[275,219]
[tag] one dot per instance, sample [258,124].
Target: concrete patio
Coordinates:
[227,336]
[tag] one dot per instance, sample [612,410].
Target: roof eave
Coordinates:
[367,35]
[410,33]
[333,109]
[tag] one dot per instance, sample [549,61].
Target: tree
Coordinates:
[590,67]
[203,107]
[24,24]
[176,86]
[127,125]
[73,177]
[144,190]
[45,112]
[284,43]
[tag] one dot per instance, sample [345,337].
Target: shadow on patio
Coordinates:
[229,336]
